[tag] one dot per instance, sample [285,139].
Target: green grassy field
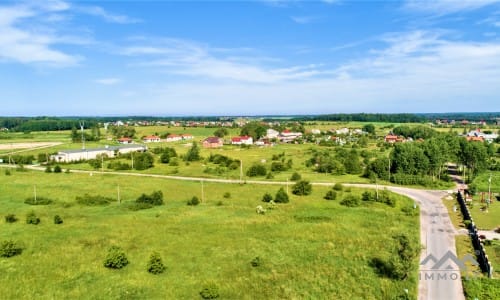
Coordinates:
[310,248]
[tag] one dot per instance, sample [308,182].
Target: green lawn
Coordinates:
[310,248]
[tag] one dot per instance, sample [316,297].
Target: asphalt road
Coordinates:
[437,233]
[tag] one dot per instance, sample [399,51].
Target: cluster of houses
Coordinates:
[157,139]
[479,136]
[463,122]
[286,136]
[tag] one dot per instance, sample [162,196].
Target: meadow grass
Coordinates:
[310,248]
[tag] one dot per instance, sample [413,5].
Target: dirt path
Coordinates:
[22,147]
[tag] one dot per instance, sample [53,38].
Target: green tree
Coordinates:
[302,188]
[257,169]
[193,153]
[281,196]
[155,264]
[221,132]
[254,129]
[369,128]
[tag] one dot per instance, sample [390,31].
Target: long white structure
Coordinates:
[86,154]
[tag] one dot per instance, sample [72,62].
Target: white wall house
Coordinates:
[272,134]
[242,140]
[86,154]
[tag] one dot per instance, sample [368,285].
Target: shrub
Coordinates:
[210,291]
[331,195]
[58,219]
[269,175]
[302,188]
[338,187]
[155,264]
[194,201]
[10,218]
[48,169]
[281,196]
[227,195]
[57,169]
[9,249]
[257,170]
[267,197]
[7,172]
[38,201]
[116,258]
[295,176]
[351,201]
[31,218]
[256,262]
[219,203]
[367,196]
[93,200]
[156,198]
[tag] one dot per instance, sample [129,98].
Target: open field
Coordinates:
[310,247]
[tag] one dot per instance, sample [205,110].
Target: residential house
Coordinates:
[287,136]
[125,140]
[242,140]
[315,131]
[212,142]
[174,138]
[272,134]
[390,138]
[478,135]
[187,136]
[151,139]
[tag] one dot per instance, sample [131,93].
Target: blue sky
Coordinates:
[171,58]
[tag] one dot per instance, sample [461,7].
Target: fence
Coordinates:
[482,258]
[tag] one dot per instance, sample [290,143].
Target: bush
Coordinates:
[91,200]
[257,170]
[48,169]
[31,218]
[194,201]
[38,201]
[256,262]
[155,264]
[7,172]
[9,249]
[331,195]
[302,188]
[295,176]
[227,195]
[155,199]
[267,197]
[10,218]
[210,291]
[281,196]
[57,169]
[139,206]
[58,219]
[269,175]
[351,201]
[338,187]
[367,196]
[116,258]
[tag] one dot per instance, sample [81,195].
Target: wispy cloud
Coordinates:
[192,59]
[447,6]
[29,44]
[108,81]
[304,19]
[98,11]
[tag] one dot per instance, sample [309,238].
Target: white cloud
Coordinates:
[108,81]
[415,71]
[28,44]
[304,19]
[447,6]
[98,11]
[192,59]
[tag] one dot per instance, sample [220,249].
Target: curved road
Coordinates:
[437,234]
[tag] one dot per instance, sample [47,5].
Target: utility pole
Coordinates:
[132,160]
[389,169]
[102,163]
[202,193]
[488,201]
[34,192]
[376,187]
[82,125]
[287,186]
[241,171]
